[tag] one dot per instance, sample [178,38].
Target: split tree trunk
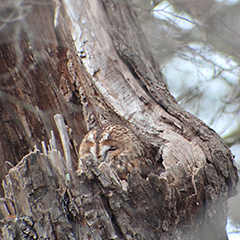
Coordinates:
[91,62]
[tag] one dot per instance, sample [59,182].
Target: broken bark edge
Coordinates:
[43,199]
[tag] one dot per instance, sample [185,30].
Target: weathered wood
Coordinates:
[35,82]
[65,140]
[198,164]
[97,204]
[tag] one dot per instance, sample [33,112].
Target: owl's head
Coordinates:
[108,149]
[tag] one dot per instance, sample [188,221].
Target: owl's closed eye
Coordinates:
[108,149]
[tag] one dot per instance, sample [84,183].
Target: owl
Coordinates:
[88,150]
[118,146]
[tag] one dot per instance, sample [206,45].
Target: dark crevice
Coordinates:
[112,217]
[124,58]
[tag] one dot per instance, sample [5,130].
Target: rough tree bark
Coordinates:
[90,61]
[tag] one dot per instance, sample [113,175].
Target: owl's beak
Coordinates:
[101,157]
[103,153]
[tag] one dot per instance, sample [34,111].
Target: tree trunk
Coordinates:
[91,62]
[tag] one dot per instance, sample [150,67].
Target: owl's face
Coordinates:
[109,149]
[109,142]
[116,145]
[112,142]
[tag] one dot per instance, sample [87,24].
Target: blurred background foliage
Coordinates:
[197,45]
